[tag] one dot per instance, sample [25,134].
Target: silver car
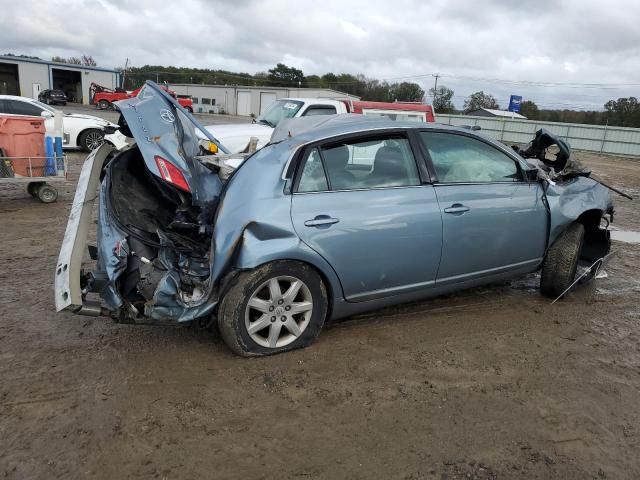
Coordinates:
[335,216]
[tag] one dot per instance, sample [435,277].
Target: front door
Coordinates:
[494,221]
[362,205]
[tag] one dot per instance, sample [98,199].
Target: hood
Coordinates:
[166,135]
[97,120]
[236,136]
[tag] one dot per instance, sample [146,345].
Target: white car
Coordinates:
[80,131]
[235,137]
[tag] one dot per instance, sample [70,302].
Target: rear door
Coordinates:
[363,204]
[494,221]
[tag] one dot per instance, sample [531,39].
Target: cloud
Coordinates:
[530,40]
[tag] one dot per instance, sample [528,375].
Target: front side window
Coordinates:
[364,164]
[462,159]
[44,106]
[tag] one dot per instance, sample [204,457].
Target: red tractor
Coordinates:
[103,97]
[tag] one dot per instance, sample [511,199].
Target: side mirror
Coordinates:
[46,114]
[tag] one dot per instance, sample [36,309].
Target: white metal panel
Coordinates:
[243,103]
[36,89]
[30,73]
[592,138]
[266,99]
[106,79]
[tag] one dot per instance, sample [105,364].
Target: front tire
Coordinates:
[90,139]
[104,105]
[561,262]
[277,307]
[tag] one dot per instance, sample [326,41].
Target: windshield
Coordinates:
[278,110]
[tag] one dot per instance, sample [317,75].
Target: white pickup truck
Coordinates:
[236,137]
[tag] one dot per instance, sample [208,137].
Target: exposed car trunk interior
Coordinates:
[162,228]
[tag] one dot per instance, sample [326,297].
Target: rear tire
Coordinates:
[561,262]
[281,318]
[104,105]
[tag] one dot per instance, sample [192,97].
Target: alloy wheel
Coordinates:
[94,140]
[278,311]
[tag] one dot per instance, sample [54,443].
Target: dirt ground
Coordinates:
[489,383]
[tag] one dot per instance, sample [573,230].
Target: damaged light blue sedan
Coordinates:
[337,215]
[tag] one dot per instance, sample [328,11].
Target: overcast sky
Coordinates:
[546,42]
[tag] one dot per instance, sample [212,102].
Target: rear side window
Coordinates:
[313,178]
[15,107]
[371,163]
[319,110]
[462,159]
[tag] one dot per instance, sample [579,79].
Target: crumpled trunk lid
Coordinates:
[164,130]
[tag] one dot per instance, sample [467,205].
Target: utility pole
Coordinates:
[435,88]
[124,72]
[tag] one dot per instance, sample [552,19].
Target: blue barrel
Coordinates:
[50,165]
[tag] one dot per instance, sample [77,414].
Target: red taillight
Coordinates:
[172,174]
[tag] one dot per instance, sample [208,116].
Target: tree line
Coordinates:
[619,112]
[280,76]
[623,112]
[86,60]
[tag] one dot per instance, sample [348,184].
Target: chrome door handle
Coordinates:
[456,208]
[320,221]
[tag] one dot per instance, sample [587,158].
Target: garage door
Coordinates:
[266,99]
[244,103]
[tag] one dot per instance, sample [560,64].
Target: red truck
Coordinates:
[103,97]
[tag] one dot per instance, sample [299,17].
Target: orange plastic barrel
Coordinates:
[22,137]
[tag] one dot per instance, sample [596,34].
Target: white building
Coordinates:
[28,77]
[239,100]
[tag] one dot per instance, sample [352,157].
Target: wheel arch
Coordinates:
[85,130]
[318,264]
[597,241]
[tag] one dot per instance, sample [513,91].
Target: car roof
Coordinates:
[315,128]
[306,99]
[15,97]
